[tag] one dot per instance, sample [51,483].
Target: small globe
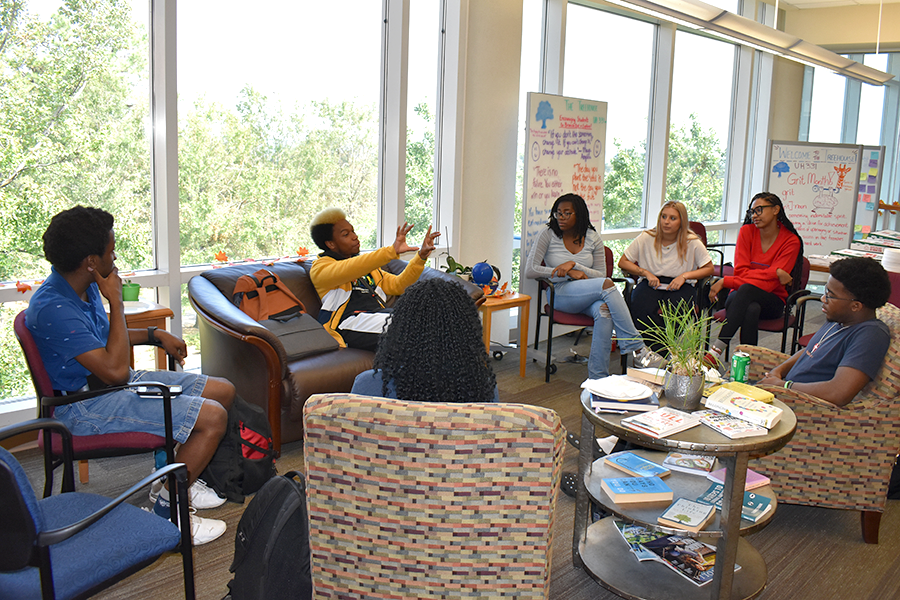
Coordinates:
[482,273]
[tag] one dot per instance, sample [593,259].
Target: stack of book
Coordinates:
[738,406]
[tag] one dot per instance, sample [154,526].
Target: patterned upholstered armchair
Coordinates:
[840,457]
[430,500]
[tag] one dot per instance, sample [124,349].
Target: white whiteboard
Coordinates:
[818,184]
[565,152]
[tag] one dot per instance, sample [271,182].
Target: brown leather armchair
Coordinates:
[234,346]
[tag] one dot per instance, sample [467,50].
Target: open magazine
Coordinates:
[693,560]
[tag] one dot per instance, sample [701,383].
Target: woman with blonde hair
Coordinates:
[669,260]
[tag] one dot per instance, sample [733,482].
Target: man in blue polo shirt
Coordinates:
[847,352]
[84,349]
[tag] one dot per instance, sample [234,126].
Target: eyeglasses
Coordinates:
[828,297]
[563,215]
[755,212]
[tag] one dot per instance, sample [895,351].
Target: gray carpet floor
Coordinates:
[811,553]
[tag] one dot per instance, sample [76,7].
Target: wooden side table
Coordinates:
[140,315]
[502,303]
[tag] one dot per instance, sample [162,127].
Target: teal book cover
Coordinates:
[635,465]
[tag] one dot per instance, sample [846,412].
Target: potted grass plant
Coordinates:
[683,335]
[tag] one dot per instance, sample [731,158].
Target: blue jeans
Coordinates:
[124,411]
[586,296]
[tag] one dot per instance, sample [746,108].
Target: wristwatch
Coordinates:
[151,336]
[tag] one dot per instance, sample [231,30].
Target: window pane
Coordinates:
[871,104]
[278,118]
[74,112]
[701,117]
[826,112]
[424,40]
[625,86]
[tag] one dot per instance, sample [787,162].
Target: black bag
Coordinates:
[245,458]
[271,546]
[301,336]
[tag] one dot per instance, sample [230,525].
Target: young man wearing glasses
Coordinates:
[846,353]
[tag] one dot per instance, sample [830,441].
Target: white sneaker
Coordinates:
[204,531]
[201,495]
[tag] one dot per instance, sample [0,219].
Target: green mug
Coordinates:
[131,291]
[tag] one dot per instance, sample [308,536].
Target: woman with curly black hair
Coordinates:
[433,350]
[766,260]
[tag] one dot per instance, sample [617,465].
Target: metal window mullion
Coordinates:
[164,159]
[392,129]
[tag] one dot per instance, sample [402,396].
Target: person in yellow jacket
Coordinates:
[352,286]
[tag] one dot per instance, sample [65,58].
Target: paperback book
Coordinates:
[633,464]
[731,427]
[601,404]
[731,403]
[662,422]
[754,479]
[636,490]
[755,506]
[695,464]
[689,515]
[745,389]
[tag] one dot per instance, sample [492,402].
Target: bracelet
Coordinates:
[151,336]
[788,384]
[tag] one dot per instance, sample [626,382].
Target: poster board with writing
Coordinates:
[565,151]
[819,186]
[870,175]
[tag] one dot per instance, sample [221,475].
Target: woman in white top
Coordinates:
[575,260]
[668,259]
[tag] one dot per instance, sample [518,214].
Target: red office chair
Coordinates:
[564,318]
[790,320]
[85,446]
[722,269]
[802,341]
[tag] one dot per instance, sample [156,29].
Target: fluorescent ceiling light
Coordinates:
[699,15]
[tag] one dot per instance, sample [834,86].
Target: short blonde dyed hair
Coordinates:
[322,226]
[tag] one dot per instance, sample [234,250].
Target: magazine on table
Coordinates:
[661,422]
[693,560]
[755,506]
[636,535]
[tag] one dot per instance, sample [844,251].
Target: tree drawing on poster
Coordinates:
[565,145]
[818,185]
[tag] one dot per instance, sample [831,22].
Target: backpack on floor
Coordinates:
[245,458]
[264,296]
[271,546]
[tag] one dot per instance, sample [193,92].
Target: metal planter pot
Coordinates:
[683,392]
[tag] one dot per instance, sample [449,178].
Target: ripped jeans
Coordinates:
[587,296]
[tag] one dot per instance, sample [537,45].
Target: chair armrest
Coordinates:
[54,536]
[762,360]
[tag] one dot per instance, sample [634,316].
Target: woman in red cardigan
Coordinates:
[768,248]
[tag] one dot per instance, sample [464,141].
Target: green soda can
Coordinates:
[740,363]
